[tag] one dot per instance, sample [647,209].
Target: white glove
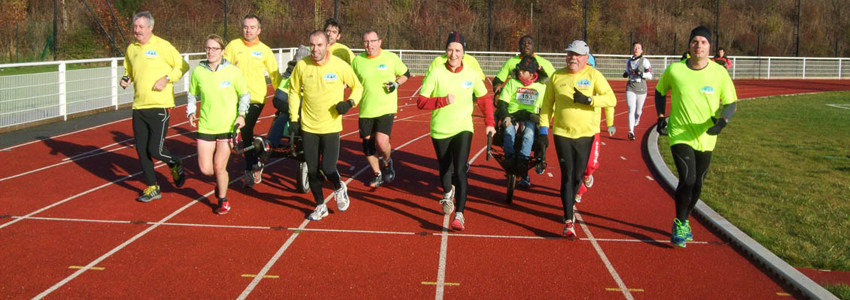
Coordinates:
[612,130]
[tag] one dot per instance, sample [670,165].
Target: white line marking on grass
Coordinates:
[131,240]
[604,258]
[843,106]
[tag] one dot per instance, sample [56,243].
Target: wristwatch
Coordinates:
[167,78]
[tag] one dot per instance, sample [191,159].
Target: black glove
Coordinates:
[390,86]
[542,138]
[718,126]
[626,74]
[344,106]
[294,128]
[661,126]
[501,110]
[580,98]
[534,118]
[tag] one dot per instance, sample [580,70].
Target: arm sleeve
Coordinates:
[243,93]
[352,81]
[728,110]
[179,66]
[547,66]
[548,105]
[603,95]
[128,67]
[502,76]
[647,74]
[485,104]
[609,116]
[473,63]
[660,102]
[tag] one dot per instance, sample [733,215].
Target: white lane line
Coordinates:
[604,258]
[650,178]
[160,164]
[251,286]
[623,157]
[131,240]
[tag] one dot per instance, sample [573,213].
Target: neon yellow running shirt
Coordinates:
[454,118]
[697,96]
[219,92]
[469,61]
[510,65]
[373,72]
[519,97]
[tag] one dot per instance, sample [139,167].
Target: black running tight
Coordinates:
[572,159]
[452,156]
[692,166]
[254,110]
[149,128]
[326,148]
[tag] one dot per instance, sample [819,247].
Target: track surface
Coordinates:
[70,228]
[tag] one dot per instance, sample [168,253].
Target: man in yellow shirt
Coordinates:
[573,96]
[254,59]
[334,32]
[152,64]
[321,80]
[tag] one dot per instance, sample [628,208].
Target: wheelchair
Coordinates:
[291,146]
[515,167]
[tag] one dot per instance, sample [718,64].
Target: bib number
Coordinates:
[526,96]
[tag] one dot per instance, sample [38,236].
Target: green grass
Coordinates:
[842,291]
[50,68]
[781,173]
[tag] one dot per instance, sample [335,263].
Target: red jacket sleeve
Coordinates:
[430,102]
[485,104]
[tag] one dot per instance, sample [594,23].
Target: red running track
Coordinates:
[72,229]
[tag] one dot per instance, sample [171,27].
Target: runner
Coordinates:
[468,60]
[702,102]
[381,73]
[448,92]
[334,31]
[572,96]
[224,101]
[152,64]
[518,108]
[281,101]
[526,48]
[638,71]
[254,59]
[322,80]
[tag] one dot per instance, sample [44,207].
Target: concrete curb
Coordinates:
[775,265]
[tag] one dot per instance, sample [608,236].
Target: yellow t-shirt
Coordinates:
[341,51]
[146,64]
[574,120]
[322,86]
[468,61]
[254,62]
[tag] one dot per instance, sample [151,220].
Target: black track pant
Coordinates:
[692,166]
[326,148]
[452,156]
[251,117]
[572,159]
[149,128]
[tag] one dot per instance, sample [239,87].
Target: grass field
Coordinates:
[781,173]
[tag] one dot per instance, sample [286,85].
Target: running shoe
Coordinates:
[341,197]
[257,173]
[248,179]
[678,237]
[631,136]
[177,173]
[389,171]
[223,207]
[377,181]
[578,198]
[525,182]
[569,229]
[588,181]
[320,212]
[689,236]
[457,224]
[150,193]
[448,201]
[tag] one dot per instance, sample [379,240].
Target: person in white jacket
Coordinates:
[638,71]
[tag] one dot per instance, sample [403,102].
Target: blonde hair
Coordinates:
[217,39]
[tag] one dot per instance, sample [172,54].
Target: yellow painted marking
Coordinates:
[264,276]
[783,294]
[92,268]
[447,283]
[618,289]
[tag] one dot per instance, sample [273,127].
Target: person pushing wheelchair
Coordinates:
[518,110]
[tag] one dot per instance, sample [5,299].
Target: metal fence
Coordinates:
[79,86]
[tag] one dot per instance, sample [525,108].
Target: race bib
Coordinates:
[526,96]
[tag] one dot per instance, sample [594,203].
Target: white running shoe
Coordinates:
[448,201]
[458,223]
[588,181]
[320,212]
[341,197]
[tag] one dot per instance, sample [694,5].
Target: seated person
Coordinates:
[281,101]
[519,103]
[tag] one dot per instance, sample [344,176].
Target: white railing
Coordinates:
[78,86]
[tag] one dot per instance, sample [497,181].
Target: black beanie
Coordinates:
[456,37]
[700,31]
[528,63]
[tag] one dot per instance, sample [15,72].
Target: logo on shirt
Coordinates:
[257,54]
[330,77]
[584,83]
[526,96]
[225,84]
[466,84]
[150,53]
[382,67]
[707,90]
